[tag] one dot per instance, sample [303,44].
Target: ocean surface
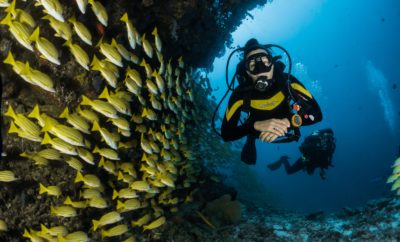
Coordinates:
[347,54]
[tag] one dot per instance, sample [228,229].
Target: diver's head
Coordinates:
[259,65]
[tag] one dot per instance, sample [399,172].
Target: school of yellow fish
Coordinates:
[395,177]
[143,107]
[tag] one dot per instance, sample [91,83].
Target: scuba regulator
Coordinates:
[262,63]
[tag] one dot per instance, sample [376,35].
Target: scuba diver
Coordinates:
[317,151]
[268,104]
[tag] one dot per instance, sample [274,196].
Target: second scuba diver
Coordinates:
[275,103]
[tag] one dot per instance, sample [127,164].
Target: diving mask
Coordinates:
[258,63]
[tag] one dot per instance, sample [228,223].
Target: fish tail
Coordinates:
[120,205]
[120,176]
[86,101]
[42,188]
[96,224]
[154,31]
[68,43]
[101,162]
[6,20]
[35,113]
[105,93]
[96,126]
[96,149]
[79,177]
[11,8]
[13,128]
[35,35]
[9,59]
[65,113]
[124,18]
[44,229]
[95,63]
[46,139]
[115,194]
[10,112]
[68,201]
[48,124]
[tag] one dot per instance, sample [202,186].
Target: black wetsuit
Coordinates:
[317,150]
[273,103]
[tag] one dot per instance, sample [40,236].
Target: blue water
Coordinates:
[347,54]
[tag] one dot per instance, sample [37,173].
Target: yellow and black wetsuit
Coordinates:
[273,103]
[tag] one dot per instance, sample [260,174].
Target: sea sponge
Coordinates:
[223,211]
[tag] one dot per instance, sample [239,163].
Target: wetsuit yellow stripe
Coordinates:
[268,104]
[232,110]
[301,89]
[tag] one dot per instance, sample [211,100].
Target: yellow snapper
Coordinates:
[33,237]
[142,186]
[121,49]
[50,190]
[38,78]
[141,221]
[23,134]
[134,75]
[106,135]
[59,144]
[45,47]
[23,122]
[7,176]
[62,29]
[132,33]
[119,104]
[89,115]
[68,134]
[88,179]
[100,11]
[74,163]
[54,231]
[85,155]
[63,211]
[100,106]
[107,153]
[128,205]
[147,46]
[115,231]
[77,204]
[79,54]
[3,225]
[157,39]
[53,7]
[82,4]
[20,31]
[125,193]
[75,120]
[155,224]
[20,15]
[81,30]
[17,66]
[110,53]
[109,166]
[108,218]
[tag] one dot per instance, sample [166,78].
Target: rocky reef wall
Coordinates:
[136,131]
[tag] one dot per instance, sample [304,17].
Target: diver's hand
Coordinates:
[268,137]
[275,126]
